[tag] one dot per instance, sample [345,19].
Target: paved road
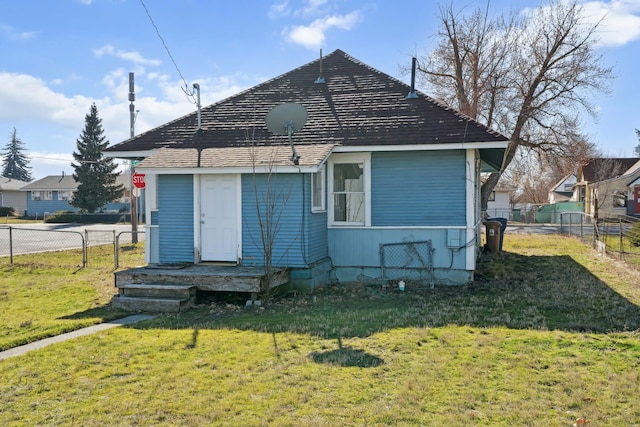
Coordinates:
[532,229]
[34,238]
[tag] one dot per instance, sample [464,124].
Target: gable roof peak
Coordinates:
[357,105]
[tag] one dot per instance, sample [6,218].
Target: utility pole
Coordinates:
[134,202]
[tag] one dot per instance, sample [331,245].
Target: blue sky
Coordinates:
[57,57]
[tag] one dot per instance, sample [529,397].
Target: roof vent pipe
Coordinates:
[320,78]
[196,86]
[412,93]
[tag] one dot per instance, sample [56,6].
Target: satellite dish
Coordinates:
[286,119]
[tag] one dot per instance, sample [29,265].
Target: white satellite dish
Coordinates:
[286,119]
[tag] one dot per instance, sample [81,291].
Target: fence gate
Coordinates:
[411,261]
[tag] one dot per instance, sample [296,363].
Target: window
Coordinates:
[349,180]
[492,196]
[41,195]
[619,199]
[64,195]
[317,191]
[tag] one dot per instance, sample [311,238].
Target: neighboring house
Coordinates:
[11,196]
[603,185]
[54,193]
[379,164]
[619,195]
[499,204]
[563,190]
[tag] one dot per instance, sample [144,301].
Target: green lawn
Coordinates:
[548,333]
[47,294]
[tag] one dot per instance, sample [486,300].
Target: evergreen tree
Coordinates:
[96,175]
[15,164]
[637,149]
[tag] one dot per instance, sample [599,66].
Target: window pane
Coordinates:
[349,207]
[348,177]
[318,193]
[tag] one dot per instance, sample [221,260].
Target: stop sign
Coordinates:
[138,180]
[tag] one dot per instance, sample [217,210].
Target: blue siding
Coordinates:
[316,238]
[422,188]
[175,218]
[39,207]
[355,252]
[285,192]
[360,247]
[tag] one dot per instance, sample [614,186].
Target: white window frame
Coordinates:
[47,195]
[343,158]
[35,195]
[321,175]
[64,195]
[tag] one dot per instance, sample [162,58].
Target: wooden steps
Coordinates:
[172,288]
[154,298]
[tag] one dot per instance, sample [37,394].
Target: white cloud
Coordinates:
[313,8]
[313,35]
[87,2]
[48,163]
[279,9]
[49,121]
[24,96]
[10,33]
[130,56]
[621,23]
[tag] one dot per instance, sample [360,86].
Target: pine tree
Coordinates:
[95,175]
[15,163]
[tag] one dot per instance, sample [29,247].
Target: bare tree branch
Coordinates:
[526,77]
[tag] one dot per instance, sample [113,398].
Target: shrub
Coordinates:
[66,217]
[6,210]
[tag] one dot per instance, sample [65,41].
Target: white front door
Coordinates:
[219,217]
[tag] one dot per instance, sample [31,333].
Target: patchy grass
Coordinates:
[48,294]
[547,334]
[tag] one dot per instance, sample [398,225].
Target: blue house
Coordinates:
[54,193]
[380,184]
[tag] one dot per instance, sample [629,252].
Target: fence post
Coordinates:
[116,251]
[10,245]
[621,242]
[84,249]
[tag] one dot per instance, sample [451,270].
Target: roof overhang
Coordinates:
[230,160]
[491,159]
[131,155]
[498,145]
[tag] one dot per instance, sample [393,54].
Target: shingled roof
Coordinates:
[603,168]
[356,106]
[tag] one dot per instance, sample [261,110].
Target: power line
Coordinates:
[185,89]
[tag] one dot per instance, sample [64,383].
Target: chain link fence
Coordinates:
[617,237]
[80,247]
[407,261]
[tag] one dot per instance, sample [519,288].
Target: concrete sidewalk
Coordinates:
[18,351]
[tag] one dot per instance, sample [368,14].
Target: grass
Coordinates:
[548,333]
[48,294]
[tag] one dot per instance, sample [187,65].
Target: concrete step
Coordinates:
[152,290]
[151,305]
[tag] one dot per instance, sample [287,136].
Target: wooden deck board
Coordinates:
[204,277]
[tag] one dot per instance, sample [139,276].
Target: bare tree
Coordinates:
[526,76]
[271,198]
